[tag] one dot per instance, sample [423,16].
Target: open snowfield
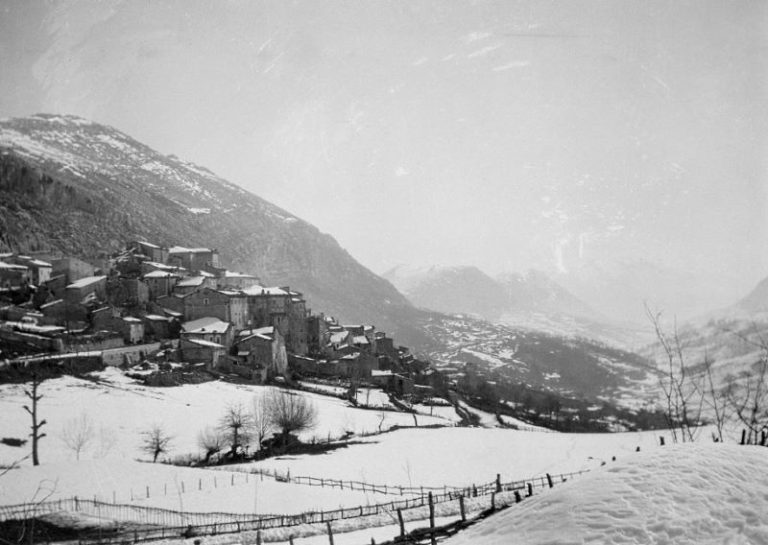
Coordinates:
[171,487]
[463,456]
[685,494]
[120,409]
[702,493]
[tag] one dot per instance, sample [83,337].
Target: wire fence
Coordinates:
[124,522]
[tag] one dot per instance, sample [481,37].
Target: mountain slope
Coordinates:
[85,189]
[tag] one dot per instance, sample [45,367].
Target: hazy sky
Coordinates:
[559,135]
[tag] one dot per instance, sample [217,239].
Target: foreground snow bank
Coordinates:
[701,493]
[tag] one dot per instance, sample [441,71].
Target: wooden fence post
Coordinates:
[258,537]
[530,490]
[330,533]
[461,508]
[661,440]
[498,482]
[549,480]
[518,498]
[432,519]
[200,484]
[493,501]
[400,520]
[743,437]
[290,540]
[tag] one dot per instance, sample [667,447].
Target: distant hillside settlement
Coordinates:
[179,308]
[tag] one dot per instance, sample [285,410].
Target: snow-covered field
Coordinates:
[686,494]
[463,456]
[702,493]
[120,409]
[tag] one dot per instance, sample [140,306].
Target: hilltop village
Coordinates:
[171,309]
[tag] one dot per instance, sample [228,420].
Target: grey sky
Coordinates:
[566,136]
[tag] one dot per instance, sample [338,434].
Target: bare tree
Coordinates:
[35,397]
[77,433]
[682,394]
[155,441]
[750,399]
[715,398]
[290,412]
[262,425]
[236,425]
[210,441]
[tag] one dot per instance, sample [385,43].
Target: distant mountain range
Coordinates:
[531,301]
[85,189]
[468,290]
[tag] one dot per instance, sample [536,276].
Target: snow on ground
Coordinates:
[172,487]
[702,493]
[367,397]
[463,456]
[488,420]
[121,409]
[442,411]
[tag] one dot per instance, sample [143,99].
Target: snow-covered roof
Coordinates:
[360,339]
[231,293]
[380,373]
[206,274]
[40,263]
[156,317]
[268,330]
[191,282]
[208,324]
[172,313]
[339,337]
[161,266]
[183,250]
[87,281]
[231,274]
[261,290]
[201,342]
[148,244]
[131,319]
[160,274]
[11,266]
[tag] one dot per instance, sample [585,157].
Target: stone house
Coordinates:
[86,289]
[160,283]
[157,327]
[193,283]
[269,307]
[72,268]
[132,330]
[263,348]
[209,329]
[317,335]
[296,340]
[229,306]
[153,252]
[385,346]
[237,281]
[39,270]
[358,365]
[193,259]
[13,276]
[196,350]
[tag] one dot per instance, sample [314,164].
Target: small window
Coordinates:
[205,301]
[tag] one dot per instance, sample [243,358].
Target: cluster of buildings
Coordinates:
[223,319]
